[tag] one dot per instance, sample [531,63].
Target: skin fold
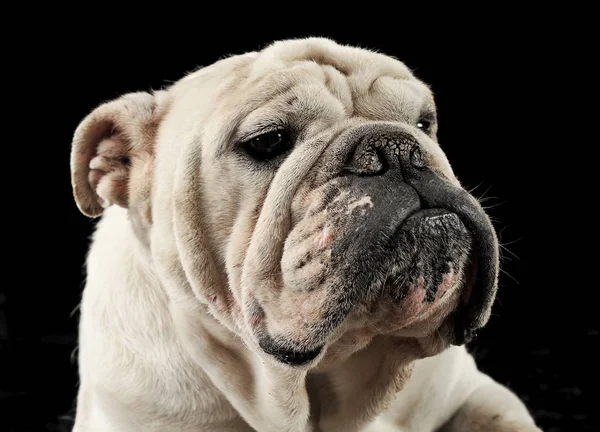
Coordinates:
[283,246]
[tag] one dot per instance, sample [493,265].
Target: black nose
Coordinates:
[376,153]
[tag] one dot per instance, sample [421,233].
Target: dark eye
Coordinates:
[268,145]
[424,125]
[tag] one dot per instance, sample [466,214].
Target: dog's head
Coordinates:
[300,195]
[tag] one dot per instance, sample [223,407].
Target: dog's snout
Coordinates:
[376,153]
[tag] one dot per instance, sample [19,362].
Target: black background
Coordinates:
[541,337]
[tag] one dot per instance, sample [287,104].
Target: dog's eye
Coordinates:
[424,125]
[268,145]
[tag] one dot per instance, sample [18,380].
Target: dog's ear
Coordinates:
[112,151]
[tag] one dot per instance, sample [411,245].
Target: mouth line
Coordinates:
[288,356]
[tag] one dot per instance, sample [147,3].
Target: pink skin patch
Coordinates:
[415,301]
[255,320]
[324,238]
[414,304]
[385,317]
[447,282]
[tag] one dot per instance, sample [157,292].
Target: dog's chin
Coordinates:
[424,269]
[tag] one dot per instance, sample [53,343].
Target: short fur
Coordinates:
[312,292]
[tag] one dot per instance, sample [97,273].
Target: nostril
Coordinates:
[383,162]
[416,158]
[367,160]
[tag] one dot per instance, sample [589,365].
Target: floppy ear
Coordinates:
[112,153]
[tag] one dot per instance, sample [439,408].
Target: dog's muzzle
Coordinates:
[410,205]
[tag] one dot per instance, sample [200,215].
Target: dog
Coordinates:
[282,246]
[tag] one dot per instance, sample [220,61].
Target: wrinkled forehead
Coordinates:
[311,78]
[361,64]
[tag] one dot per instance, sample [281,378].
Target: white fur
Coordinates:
[164,343]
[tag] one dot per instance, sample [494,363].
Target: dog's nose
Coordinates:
[376,153]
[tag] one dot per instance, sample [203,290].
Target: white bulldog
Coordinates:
[283,247]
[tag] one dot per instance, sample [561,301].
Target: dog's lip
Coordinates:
[289,356]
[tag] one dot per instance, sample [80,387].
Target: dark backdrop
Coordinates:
[538,342]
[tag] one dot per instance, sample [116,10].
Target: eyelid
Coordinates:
[260,130]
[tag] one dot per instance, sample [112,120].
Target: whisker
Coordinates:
[75,309]
[482,197]
[505,249]
[493,206]
[485,199]
[473,189]
[509,275]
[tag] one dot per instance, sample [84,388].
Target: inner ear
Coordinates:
[109,146]
[109,170]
